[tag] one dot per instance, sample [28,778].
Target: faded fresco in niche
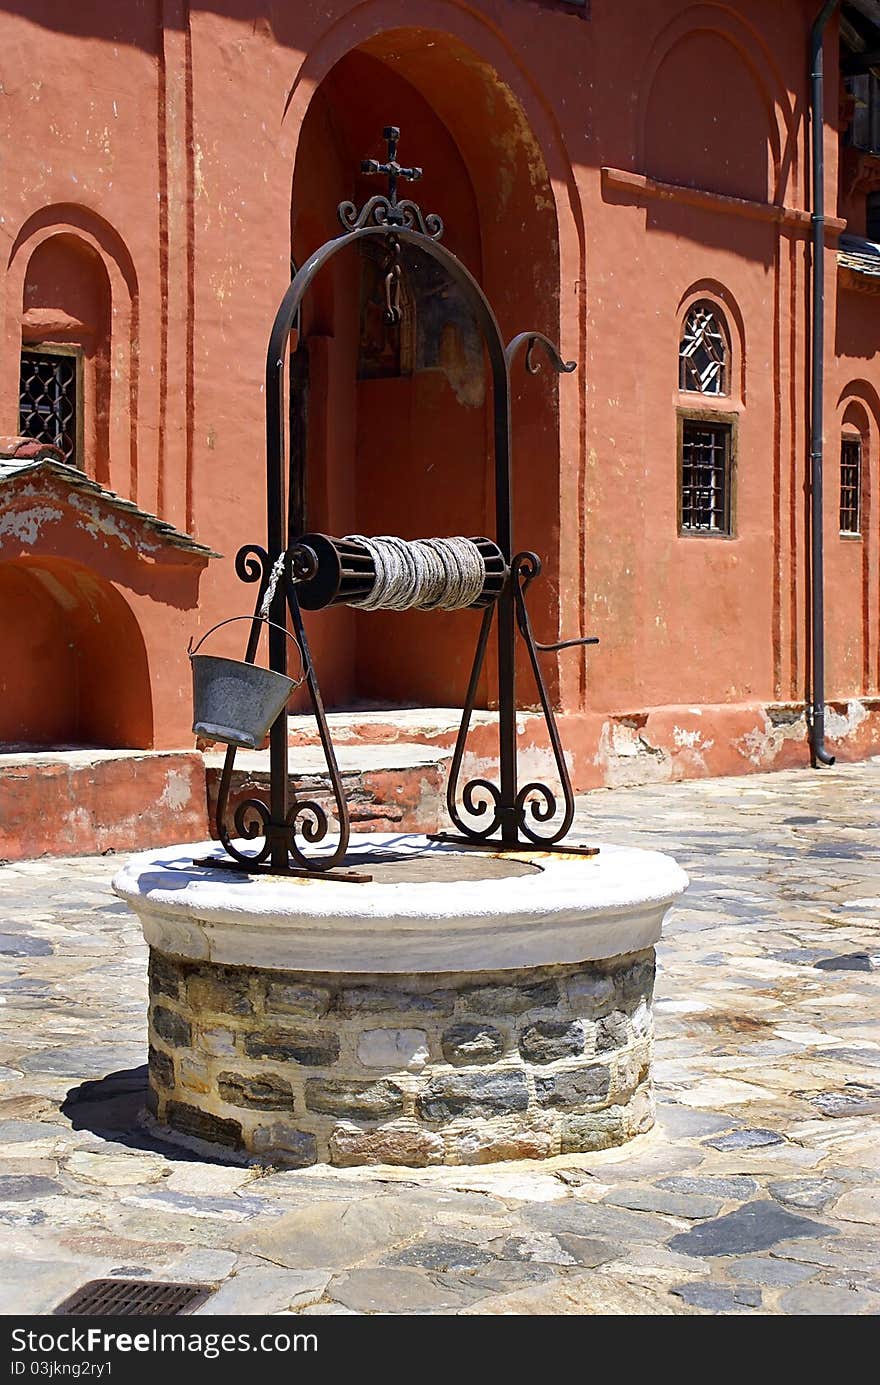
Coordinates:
[437,330]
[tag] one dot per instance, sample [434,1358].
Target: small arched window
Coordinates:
[703,354]
[64,380]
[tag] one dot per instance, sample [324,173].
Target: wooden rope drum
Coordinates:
[392,574]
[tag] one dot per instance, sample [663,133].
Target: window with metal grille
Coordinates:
[864,128]
[49,399]
[702,352]
[850,485]
[705,477]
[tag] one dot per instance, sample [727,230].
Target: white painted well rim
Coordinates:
[574,910]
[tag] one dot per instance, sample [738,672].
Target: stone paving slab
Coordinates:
[758,1191]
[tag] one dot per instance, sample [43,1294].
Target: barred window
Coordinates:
[50,399]
[705,476]
[702,352]
[850,485]
[864,127]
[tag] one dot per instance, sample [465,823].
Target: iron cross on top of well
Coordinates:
[392,169]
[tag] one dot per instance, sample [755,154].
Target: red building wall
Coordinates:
[600,172]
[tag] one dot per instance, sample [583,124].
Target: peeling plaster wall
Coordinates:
[90,802]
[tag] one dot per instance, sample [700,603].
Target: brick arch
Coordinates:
[753,53]
[99,237]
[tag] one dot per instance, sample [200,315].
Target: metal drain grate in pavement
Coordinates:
[133,1298]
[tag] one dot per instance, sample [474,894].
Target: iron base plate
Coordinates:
[499,848]
[265,868]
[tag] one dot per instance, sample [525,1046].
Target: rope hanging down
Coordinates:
[271,585]
[422,574]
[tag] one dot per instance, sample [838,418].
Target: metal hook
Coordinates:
[393,313]
[392,296]
[527,566]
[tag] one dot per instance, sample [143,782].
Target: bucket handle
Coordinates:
[297,682]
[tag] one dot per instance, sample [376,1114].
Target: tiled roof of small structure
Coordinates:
[860,264]
[860,255]
[24,456]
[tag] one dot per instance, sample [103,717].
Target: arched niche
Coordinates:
[850,547]
[74,671]
[399,431]
[707,119]
[66,301]
[859,419]
[854,420]
[858,410]
[85,267]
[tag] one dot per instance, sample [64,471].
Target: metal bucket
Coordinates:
[233,701]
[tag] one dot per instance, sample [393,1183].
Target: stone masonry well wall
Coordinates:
[297,1068]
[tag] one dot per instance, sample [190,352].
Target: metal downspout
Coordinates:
[818,753]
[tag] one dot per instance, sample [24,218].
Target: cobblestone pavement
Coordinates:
[757,1192]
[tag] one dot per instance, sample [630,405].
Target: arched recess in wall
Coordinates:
[65,340]
[67,261]
[858,411]
[714,112]
[727,309]
[405,446]
[74,671]
[857,442]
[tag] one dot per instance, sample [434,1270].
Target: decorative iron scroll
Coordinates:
[535,802]
[530,340]
[380,211]
[252,818]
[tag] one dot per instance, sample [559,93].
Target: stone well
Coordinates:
[463,1007]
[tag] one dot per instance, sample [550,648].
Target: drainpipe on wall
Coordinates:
[818,753]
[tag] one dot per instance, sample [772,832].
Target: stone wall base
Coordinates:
[629,746]
[299,1068]
[78,802]
[657,745]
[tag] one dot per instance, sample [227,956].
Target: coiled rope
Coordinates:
[422,574]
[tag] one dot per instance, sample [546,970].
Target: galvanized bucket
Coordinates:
[233,701]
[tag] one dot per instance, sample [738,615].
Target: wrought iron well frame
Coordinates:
[395,222]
